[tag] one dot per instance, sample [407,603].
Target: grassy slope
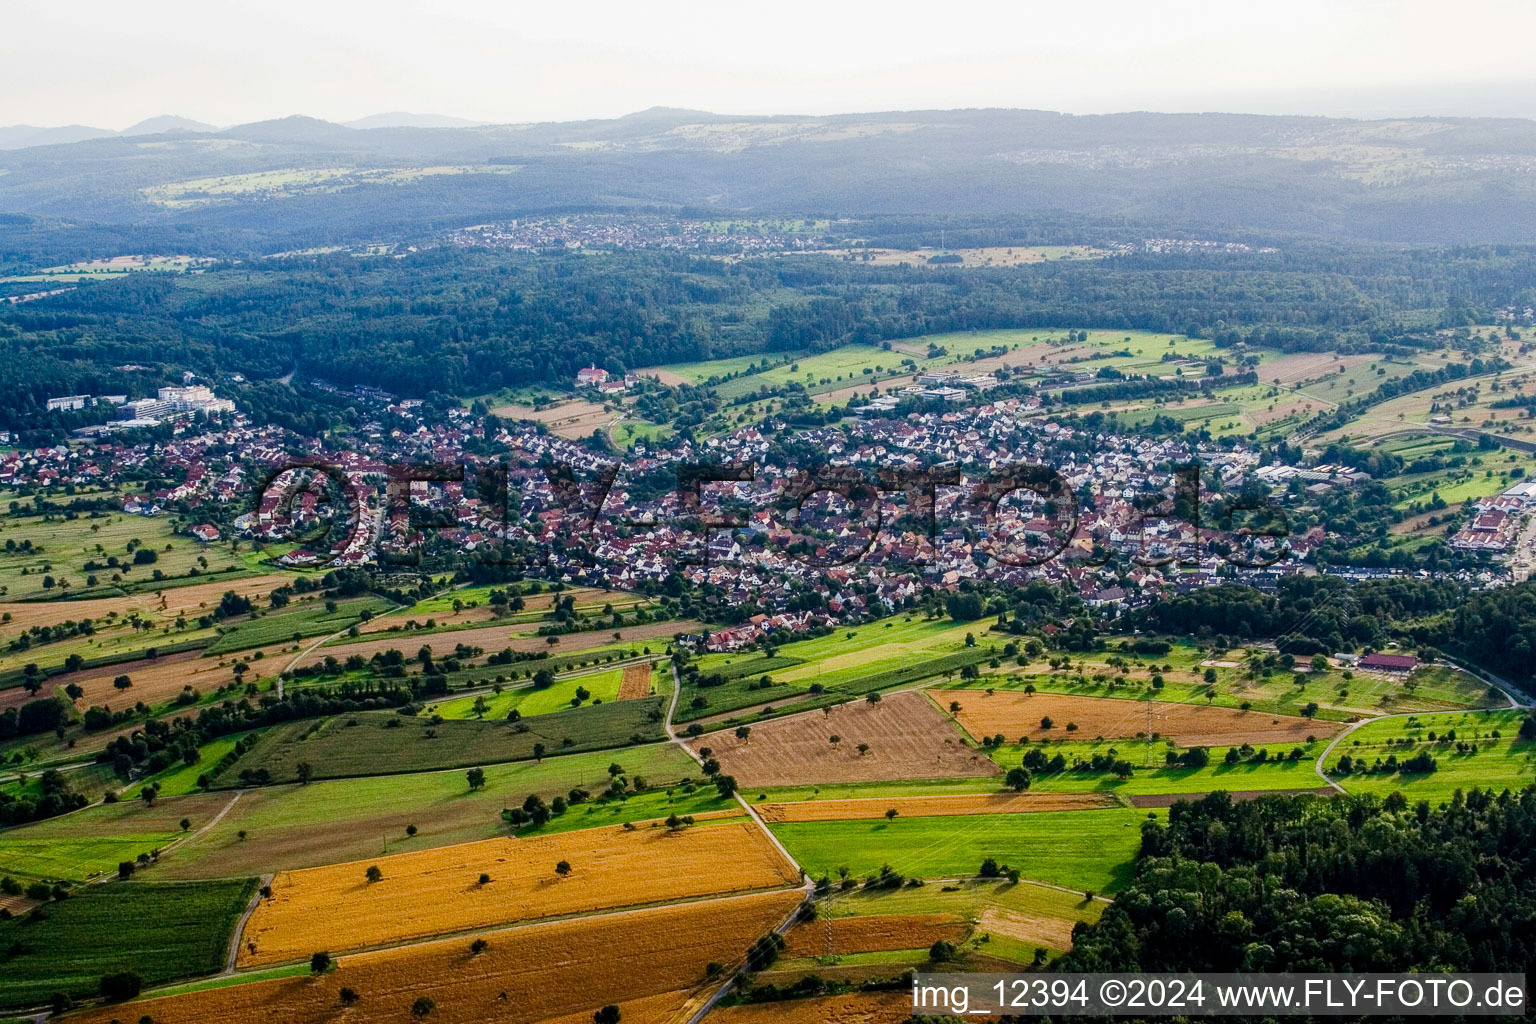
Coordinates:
[388,743]
[1506,762]
[1078,849]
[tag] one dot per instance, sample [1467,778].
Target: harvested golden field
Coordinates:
[522,637]
[932,806]
[874,934]
[1035,929]
[650,960]
[438,891]
[156,605]
[857,1008]
[908,738]
[636,682]
[1020,714]
[573,419]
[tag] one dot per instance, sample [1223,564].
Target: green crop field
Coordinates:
[160,931]
[1500,762]
[602,687]
[385,743]
[346,819]
[1077,849]
[657,804]
[847,662]
[181,779]
[309,619]
[1154,776]
[33,854]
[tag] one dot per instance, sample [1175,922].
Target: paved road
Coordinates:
[809,886]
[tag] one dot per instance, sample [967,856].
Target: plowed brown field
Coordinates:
[650,960]
[873,934]
[932,806]
[1019,714]
[636,682]
[437,891]
[160,679]
[908,737]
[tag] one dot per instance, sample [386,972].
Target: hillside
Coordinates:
[1417,180]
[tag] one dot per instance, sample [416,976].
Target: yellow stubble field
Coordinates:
[650,963]
[436,892]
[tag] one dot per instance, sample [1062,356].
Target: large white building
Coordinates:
[195,398]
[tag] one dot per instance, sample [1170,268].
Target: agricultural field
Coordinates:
[474,606]
[600,687]
[92,842]
[1241,678]
[438,891]
[1077,849]
[298,181]
[1467,403]
[130,627]
[1048,715]
[160,931]
[855,1008]
[303,619]
[60,547]
[636,681]
[1502,761]
[872,934]
[848,662]
[649,963]
[1006,920]
[279,828]
[520,637]
[574,418]
[113,266]
[856,809]
[904,736]
[386,743]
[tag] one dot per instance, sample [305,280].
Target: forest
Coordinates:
[473,321]
[1348,884]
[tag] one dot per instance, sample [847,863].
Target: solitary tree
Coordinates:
[373,873]
[742,732]
[423,1006]
[122,682]
[607,1015]
[347,996]
[476,777]
[319,963]
[890,815]
[304,771]
[563,868]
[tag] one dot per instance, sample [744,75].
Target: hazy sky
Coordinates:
[109,63]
